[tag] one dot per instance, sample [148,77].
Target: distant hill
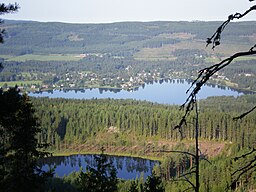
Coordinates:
[120,39]
[110,55]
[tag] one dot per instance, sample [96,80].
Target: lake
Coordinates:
[127,167]
[163,92]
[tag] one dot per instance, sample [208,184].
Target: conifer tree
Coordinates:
[4,9]
[19,147]
[102,178]
[153,184]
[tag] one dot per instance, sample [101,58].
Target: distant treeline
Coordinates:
[55,53]
[114,38]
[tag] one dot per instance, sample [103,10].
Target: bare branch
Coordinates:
[215,38]
[189,173]
[206,160]
[245,167]
[203,76]
[188,189]
[192,184]
[171,151]
[186,179]
[245,155]
[243,170]
[244,114]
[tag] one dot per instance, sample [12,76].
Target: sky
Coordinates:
[109,11]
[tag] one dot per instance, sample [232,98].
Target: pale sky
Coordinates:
[108,11]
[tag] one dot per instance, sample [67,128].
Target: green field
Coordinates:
[55,57]
[217,60]
[246,58]
[19,83]
[166,52]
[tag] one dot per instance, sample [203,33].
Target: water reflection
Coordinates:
[168,91]
[127,167]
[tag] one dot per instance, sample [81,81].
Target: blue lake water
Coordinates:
[127,167]
[164,92]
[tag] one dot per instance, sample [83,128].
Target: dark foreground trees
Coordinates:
[153,183]
[19,149]
[101,178]
[4,9]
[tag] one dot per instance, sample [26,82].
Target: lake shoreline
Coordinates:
[230,86]
[70,153]
[163,92]
[210,148]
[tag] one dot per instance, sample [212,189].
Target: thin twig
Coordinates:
[206,160]
[188,189]
[203,77]
[244,114]
[189,173]
[192,184]
[245,167]
[174,151]
[244,170]
[245,155]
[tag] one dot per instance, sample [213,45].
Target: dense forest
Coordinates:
[87,125]
[41,56]
[77,121]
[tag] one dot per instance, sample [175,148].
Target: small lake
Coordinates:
[127,167]
[163,92]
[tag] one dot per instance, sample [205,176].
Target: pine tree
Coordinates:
[102,178]
[19,147]
[134,186]
[153,184]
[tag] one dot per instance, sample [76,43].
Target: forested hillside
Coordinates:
[142,128]
[118,122]
[43,56]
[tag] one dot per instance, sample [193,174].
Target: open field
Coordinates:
[217,60]
[165,52]
[54,57]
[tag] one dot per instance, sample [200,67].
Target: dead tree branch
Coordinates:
[174,151]
[188,189]
[215,38]
[203,76]
[244,114]
[247,166]
[245,155]
[250,165]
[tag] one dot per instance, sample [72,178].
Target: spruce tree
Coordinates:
[102,178]
[19,147]
[153,184]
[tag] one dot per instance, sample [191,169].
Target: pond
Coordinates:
[127,167]
[163,92]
